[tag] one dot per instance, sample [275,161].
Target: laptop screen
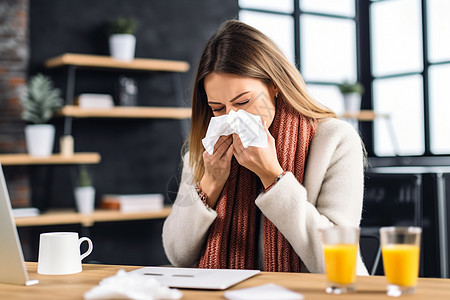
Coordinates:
[12,264]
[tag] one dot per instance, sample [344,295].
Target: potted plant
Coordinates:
[351,93]
[40,102]
[122,41]
[84,192]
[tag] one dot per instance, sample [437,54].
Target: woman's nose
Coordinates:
[228,109]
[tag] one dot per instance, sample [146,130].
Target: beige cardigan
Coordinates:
[331,194]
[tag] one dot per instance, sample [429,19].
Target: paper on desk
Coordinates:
[249,128]
[125,285]
[263,292]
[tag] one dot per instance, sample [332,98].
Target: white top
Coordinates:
[331,194]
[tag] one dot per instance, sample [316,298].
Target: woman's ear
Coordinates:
[273,90]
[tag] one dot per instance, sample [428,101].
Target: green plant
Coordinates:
[123,25]
[348,88]
[84,179]
[41,100]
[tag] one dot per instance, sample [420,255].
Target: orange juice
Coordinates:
[401,264]
[340,262]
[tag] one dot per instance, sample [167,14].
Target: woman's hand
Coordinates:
[261,161]
[217,169]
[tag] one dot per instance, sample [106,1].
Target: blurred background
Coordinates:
[398,50]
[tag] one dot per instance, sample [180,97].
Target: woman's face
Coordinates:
[228,92]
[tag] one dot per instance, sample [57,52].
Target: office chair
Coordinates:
[371,251]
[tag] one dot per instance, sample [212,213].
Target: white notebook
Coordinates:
[194,278]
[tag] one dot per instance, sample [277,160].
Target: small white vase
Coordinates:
[352,102]
[85,199]
[122,46]
[39,139]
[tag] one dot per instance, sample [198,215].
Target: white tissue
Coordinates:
[249,128]
[269,291]
[125,285]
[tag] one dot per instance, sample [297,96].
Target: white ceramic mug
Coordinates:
[59,253]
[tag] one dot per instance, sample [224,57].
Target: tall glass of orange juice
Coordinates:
[340,248]
[400,247]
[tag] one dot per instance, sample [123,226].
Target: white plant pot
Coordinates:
[39,139]
[122,46]
[85,199]
[352,102]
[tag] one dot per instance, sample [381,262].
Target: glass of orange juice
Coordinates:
[340,248]
[400,247]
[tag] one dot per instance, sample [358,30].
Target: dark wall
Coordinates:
[138,155]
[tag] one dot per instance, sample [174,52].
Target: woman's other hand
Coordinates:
[261,161]
[217,169]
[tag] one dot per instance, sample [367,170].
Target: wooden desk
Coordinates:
[310,285]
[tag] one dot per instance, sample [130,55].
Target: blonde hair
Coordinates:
[240,49]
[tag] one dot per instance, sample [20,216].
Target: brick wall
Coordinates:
[14,55]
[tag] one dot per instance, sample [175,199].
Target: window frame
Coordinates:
[364,69]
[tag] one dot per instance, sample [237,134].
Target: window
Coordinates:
[328,49]
[404,63]
[410,61]
[439,108]
[330,7]
[280,34]
[284,6]
[438,30]
[401,97]
[303,30]
[396,37]
[439,74]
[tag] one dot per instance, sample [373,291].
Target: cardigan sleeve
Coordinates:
[331,194]
[187,225]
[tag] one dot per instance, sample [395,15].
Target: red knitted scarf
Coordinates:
[232,242]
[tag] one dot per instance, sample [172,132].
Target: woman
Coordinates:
[262,207]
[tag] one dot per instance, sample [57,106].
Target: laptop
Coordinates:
[193,278]
[12,263]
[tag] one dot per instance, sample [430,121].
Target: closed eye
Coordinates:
[243,102]
[216,109]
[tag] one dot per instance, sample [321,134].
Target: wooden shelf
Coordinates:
[71,217]
[364,115]
[128,112]
[143,64]
[55,159]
